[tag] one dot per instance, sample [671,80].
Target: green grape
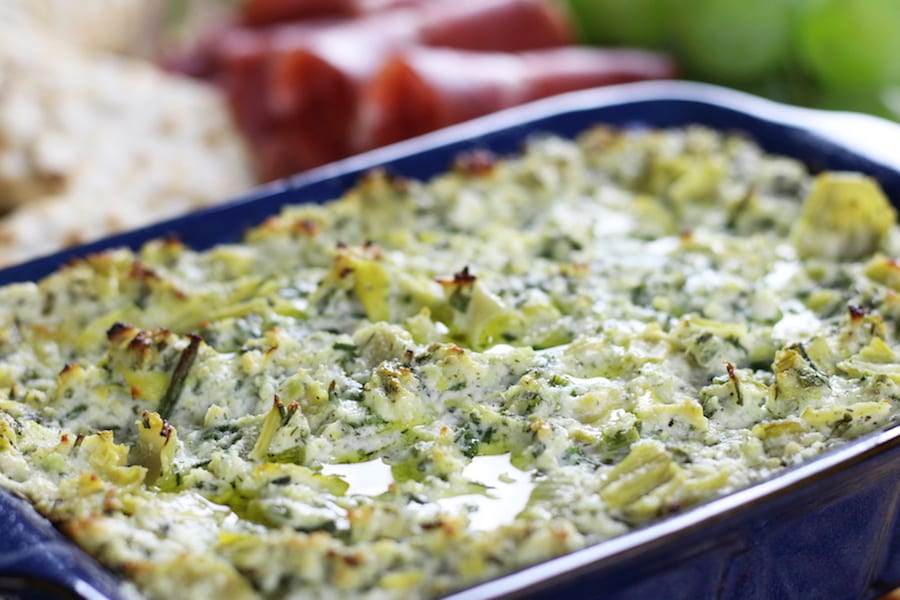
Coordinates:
[731,40]
[874,102]
[622,22]
[851,43]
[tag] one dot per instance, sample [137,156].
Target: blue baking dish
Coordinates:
[826,529]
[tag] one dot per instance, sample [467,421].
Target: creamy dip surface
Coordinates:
[424,385]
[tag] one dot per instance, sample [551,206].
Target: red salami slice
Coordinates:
[424,89]
[325,67]
[296,88]
[315,75]
[267,12]
[561,70]
[289,147]
[495,25]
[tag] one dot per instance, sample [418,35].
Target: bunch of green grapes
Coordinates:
[828,53]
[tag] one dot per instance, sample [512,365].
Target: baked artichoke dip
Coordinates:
[424,385]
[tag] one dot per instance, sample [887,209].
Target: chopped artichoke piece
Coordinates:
[359,269]
[646,467]
[700,182]
[885,271]
[775,434]
[848,421]
[478,314]
[877,358]
[712,343]
[373,287]
[846,216]
[681,419]
[277,417]
[798,382]
[381,342]
[155,448]
[392,393]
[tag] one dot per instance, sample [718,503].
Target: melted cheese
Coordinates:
[423,385]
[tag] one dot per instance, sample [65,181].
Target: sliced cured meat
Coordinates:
[289,147]
[423,90]
[245,79]
[427,88]
[495,25]
[303,74]
[354,50]
[313,91]
[296,88]
[280,72]
[565,69]
[325,68]
[267,12]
